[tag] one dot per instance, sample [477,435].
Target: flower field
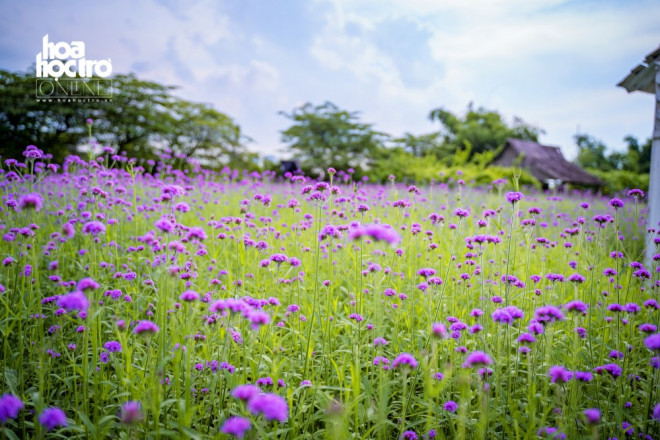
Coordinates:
[147,302]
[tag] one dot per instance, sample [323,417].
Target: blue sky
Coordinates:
[553,63]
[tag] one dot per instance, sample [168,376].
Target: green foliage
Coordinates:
[421,145]
[485,176]
[483,129]
[56,128]
[143,118]
[404,166]
[619,180]
[324,136]
[592,153]
[407,167]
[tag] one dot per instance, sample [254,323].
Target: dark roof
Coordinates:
[642,77]
[546,162]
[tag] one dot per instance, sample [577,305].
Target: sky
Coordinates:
[553,63]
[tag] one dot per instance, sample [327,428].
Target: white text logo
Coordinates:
[57,59]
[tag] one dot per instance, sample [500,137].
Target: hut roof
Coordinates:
[546,163]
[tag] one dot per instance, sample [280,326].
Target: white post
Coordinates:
[654,175]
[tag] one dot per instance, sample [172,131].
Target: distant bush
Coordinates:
[408,168]
[619,180]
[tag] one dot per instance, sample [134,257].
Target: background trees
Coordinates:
[325,136]
[480,130]
[146,119]
[143,118]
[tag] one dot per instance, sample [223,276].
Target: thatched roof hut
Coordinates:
[545,163]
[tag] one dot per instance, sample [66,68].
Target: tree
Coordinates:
[591,153]
[420,145]
[208,135]
[143,118]
[484,130]
[54,127]
[324,136]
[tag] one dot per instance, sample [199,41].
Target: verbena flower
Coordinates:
[131,412]
[31,201]
[245,392]
[271,406]
[112,346]
[145,327]
[53,417]
[477,358]
[559,374]
[377,232]
[513,197]
[236,426]
[653,342]
[73,301]
[405,360]
[10,405]
[592,416]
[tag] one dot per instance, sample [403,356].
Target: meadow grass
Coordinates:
[206,304]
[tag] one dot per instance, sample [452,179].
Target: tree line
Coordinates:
[145,118]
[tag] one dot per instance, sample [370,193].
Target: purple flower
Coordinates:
[379,341]
[31,201]
[245,392]
[53,417]
[450,406]
[613,369]
[10,405]
[592,416]
[265,381]
[131,412]
[576,278]
[477,358]
[377,232]
[583,376]
[278,258]
[653,342]
[547,314]
[656,413]
[426,272]
[514,197]
[145,327]
[236,426]
[86,284]
[404,359]
[112,346]
[272,406]
[555,277]
[258,318]
[526,338]
[576,306]
[559,374]
[647,328]
[439,330]
[164,225]
[93,228]
[189,295]
[461,213]
[616,203]
[329,231]
[73,301]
